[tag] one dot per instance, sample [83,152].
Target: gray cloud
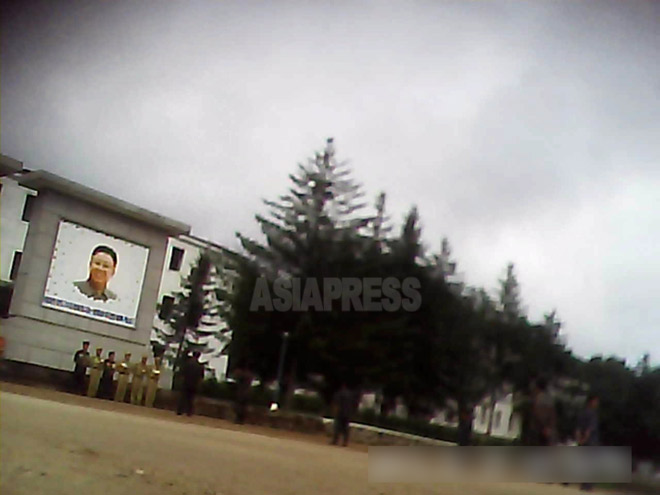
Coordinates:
[524,132]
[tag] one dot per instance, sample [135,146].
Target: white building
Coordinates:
[507,423]
[15,209]
[183,253]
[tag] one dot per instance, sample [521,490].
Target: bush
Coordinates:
[261,396]
[214,389]
[218,390]
[308,404]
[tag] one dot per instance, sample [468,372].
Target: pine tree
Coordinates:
[320,211]
[444,267]
[510,295]
[552,324]
[196,322]
[316,230]
[381,229]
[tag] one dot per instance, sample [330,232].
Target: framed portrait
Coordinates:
[95,275]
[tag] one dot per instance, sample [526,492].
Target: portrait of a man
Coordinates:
[102,267]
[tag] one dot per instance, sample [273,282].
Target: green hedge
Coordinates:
[308,404]
[260,396]
[316,405]
[214,389]
[425,429]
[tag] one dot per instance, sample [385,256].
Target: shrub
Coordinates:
[218,390]
[308,404]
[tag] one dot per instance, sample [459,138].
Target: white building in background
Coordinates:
[183,252]
[507,423]
[15,209]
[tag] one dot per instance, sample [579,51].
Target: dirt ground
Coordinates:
[55,443]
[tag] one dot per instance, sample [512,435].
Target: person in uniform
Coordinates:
[152,384]
[140,371]
[102,267]
[124,369]
[95,374]
[108,378]
[193,374]
[81,360]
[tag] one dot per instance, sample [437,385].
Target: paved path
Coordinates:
[99,448]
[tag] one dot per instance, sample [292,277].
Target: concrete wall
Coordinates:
[48,337]
[13,229]
[372,435]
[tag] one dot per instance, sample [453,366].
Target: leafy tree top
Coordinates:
[321,209]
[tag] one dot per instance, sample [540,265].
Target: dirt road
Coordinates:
[79,445]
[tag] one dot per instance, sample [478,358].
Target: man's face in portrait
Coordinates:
[101,269]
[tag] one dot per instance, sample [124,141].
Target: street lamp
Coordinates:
[280,370]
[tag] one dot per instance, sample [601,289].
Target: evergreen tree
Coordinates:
[444,267]
[381,227]
[195,322]
[552,324]
[314,231]
[510,295]
[320,212]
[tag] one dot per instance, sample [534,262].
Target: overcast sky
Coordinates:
[524,131]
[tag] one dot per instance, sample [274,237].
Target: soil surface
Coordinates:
[57,443]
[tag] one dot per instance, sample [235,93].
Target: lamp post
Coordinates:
[280,371]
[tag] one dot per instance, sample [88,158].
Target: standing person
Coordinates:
[81,360]
[344,409]
[243,389]
[152,383]
[544,415]
[527,435]
[193,374]
[465,427]
[108,378]
[588,429]
[124,370]
[95,373]
[140,371]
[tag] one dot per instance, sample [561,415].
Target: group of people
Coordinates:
[540,427]
[142,375]
[102,375]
